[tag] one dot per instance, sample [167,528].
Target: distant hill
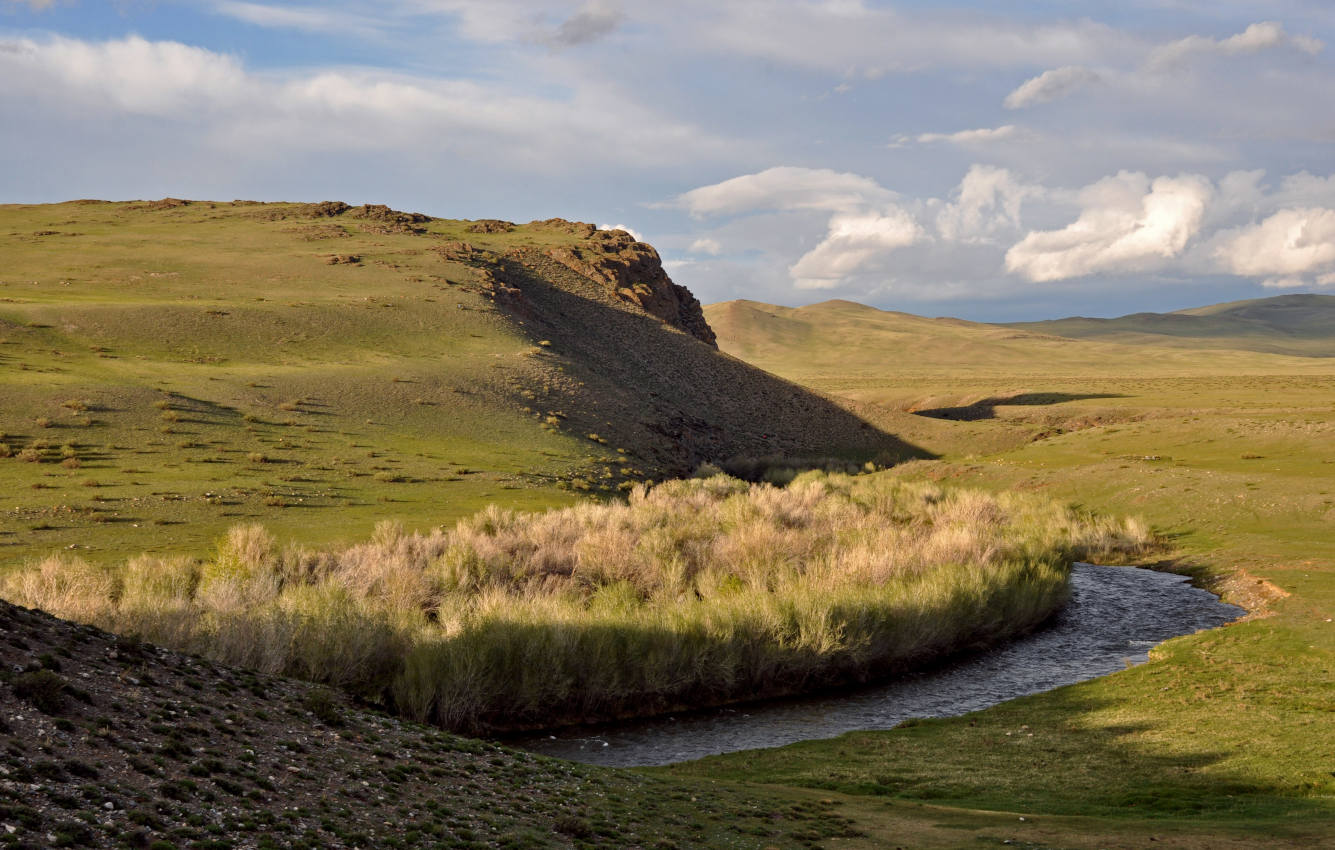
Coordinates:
[1300,324]
[833,342]
[169,368]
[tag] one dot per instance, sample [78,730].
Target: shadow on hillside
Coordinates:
[987,408]
[669,399]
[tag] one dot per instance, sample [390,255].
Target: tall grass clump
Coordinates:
[690,593]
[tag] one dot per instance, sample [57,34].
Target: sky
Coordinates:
[995,161]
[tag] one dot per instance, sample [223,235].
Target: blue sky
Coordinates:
[992,161]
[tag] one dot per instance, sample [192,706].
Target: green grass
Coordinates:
[204,366]
[1226,733]
[693,593]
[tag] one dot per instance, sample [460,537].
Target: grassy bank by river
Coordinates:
[1226,738]
[693,592]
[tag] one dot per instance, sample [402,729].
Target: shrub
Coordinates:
[43,689]
[691,592]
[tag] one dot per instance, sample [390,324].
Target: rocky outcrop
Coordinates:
[633,272]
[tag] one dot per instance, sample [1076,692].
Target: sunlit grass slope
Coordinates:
[1225,738]
[169,369]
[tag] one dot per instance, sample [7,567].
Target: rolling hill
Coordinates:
[1299,324]
[170,368]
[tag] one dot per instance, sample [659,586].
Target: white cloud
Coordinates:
[1051,85]
[1126,224]
[635,234]
[1266,35]
[316,19]
[855,39]
[785,188]
[132,74]
[865,222]
[343,109]
[853,240]
[1287,248]
[972,137]
[706,245]
[987,202]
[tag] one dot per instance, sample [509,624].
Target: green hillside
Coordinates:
[171,368]
[1297,324]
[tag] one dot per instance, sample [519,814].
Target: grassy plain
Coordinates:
[1226,737]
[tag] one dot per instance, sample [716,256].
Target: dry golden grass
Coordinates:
[692,592]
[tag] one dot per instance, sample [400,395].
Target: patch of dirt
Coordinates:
[317,232]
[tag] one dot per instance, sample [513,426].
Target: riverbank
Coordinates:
[694,593]
[1114,616]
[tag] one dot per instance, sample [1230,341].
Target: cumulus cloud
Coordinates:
[1289,248]
[706,245]
[971,137]
[987,203]
[132,74]
[851,242]
[865,222]
[1266,35]
[785,188]
[1051,85]
[1126,224]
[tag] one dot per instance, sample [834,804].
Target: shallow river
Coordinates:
[1115,615]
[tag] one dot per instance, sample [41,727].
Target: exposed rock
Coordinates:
[634,272]
[490,225]
[380,212]
[579,228]
[164,204]
[343,259]
[325,209]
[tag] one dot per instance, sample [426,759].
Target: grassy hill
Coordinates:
[171,368]
[1297,324]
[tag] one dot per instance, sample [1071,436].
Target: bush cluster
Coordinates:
[692,592]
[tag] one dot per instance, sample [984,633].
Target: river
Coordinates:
[1115,615]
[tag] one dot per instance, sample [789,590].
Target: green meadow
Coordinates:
[1226,738]
[167,372]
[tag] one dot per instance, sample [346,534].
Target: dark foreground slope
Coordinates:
[1300,324]
[111,743]
[169,369]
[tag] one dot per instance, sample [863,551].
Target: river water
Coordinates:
[1115,615]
